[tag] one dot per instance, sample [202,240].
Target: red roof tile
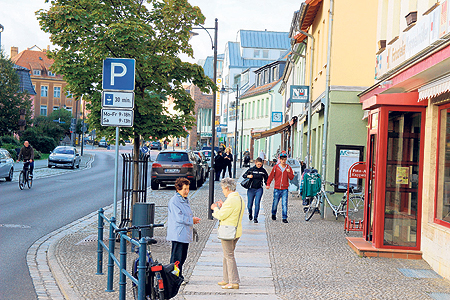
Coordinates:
[259,90]
[35,60]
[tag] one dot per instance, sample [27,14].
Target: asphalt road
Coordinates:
[52,202]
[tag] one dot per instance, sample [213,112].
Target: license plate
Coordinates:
[172,170]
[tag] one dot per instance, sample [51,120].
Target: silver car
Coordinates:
[6,165]
[64,156]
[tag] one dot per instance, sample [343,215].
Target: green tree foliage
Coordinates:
[11,100]
[153,32]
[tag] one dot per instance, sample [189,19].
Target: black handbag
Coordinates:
[246,183]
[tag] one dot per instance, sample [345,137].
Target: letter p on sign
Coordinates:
[118,74]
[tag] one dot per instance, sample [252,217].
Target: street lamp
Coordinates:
[236,106]
[213,118]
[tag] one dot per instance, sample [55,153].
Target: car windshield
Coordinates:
[172,157]
[63,151]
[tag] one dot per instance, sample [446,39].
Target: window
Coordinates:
[256,53]
[69,109]
[253,109]
[258,111]
[442,212]
[44,91]
[37,72]
[55,108]
[267,107]
[57,92]
[262,108]
[266,76]
[50,73]
[265,53]
[275,73]
[69,94]
[43,111]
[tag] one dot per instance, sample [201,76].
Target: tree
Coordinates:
[154,34]
[11,99]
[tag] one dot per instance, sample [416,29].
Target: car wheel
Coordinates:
[155,185]
[200,182]
[73,165]
[193,185]
[10,175]
[48,166]
[78,166]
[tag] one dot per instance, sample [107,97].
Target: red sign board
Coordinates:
[358,171]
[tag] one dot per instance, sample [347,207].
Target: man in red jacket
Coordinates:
[282,174]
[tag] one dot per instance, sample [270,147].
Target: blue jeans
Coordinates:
[277,194]
[254,194]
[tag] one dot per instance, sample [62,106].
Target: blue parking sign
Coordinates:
[118,74]
[109,99]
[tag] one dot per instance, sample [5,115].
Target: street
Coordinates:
[51,203]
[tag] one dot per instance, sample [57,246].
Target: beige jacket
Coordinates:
[228,214]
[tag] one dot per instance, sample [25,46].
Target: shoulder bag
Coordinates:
[246,183]
[228,232]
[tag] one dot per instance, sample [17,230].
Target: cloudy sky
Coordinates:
[22,29]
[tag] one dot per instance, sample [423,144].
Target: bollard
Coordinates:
[99,242]
[112,240]
[141,268]
[123,267]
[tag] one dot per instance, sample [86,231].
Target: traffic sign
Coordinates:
[117,117]
[118,74]
[113,99]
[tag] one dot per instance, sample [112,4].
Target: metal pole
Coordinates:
[116,172]
[236,105]
[82,131]
[213,127]
[242,131]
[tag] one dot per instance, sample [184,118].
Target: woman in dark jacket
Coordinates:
[228,158]
[218,164]
[258,174]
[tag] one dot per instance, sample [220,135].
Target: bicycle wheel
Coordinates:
[157,288]
[21,180]
[312,208]
[29,181]
[356,208]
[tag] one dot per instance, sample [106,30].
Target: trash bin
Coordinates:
[143,214]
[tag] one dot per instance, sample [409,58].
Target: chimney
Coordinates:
[14,51]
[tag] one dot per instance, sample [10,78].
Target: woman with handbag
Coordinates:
[257,175]
[229,213]
[227,158]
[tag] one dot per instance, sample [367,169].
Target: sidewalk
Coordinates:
[298,260]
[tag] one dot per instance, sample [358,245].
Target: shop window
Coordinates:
[443,172]
[346,156]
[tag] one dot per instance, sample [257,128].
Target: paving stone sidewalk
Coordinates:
[307,260]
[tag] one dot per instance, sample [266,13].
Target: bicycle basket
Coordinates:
[171,281]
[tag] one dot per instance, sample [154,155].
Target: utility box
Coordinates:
[143,214]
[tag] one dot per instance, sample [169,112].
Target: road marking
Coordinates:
[15,226]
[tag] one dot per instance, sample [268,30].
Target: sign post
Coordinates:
[118,102]
[357,170]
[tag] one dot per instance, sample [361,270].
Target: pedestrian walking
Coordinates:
[282,173]
[262,155]
[218,164]
[229,213]
[228,158]
[180,222]
[258,175]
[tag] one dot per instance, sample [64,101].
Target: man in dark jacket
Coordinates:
[27,154]
[218,164]
[258,175]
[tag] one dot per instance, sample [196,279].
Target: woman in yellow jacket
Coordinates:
[230,213]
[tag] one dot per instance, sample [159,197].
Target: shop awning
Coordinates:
[435,88]
[283,127]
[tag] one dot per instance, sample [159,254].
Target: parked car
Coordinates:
[207,154]
[64,156]
[204,163]
[209,148]
[172,164]
[155,145]
[6,165]
[103,143]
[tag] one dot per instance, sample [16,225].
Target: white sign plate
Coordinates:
[111,99]
[117,117]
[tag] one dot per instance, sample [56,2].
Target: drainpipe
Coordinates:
[327,100]
[308,139]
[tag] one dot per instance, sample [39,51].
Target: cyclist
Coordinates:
[27,154]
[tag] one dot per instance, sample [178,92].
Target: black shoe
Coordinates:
[274,217]
[250,217]
[285,221]
[255,220]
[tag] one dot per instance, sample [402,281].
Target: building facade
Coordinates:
[408,142]
[49,87]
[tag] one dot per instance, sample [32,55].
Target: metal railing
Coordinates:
[122,261]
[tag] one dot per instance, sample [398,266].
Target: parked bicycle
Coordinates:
[24,177]
[355,203]
[157,286]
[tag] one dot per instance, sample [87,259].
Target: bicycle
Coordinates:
[25,177]
[356,204]
[154,283]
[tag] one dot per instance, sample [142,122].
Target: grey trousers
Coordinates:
[230,271]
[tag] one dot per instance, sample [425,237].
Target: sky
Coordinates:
[22,28]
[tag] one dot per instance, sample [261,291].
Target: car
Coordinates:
[172,164]
[155,145]
[204,163]
[6,165]
[64,156]
[103,143]
[209,148]
[207,154]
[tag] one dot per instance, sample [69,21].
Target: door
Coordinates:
[370,196]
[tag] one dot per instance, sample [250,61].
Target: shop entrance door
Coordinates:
[369,203]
